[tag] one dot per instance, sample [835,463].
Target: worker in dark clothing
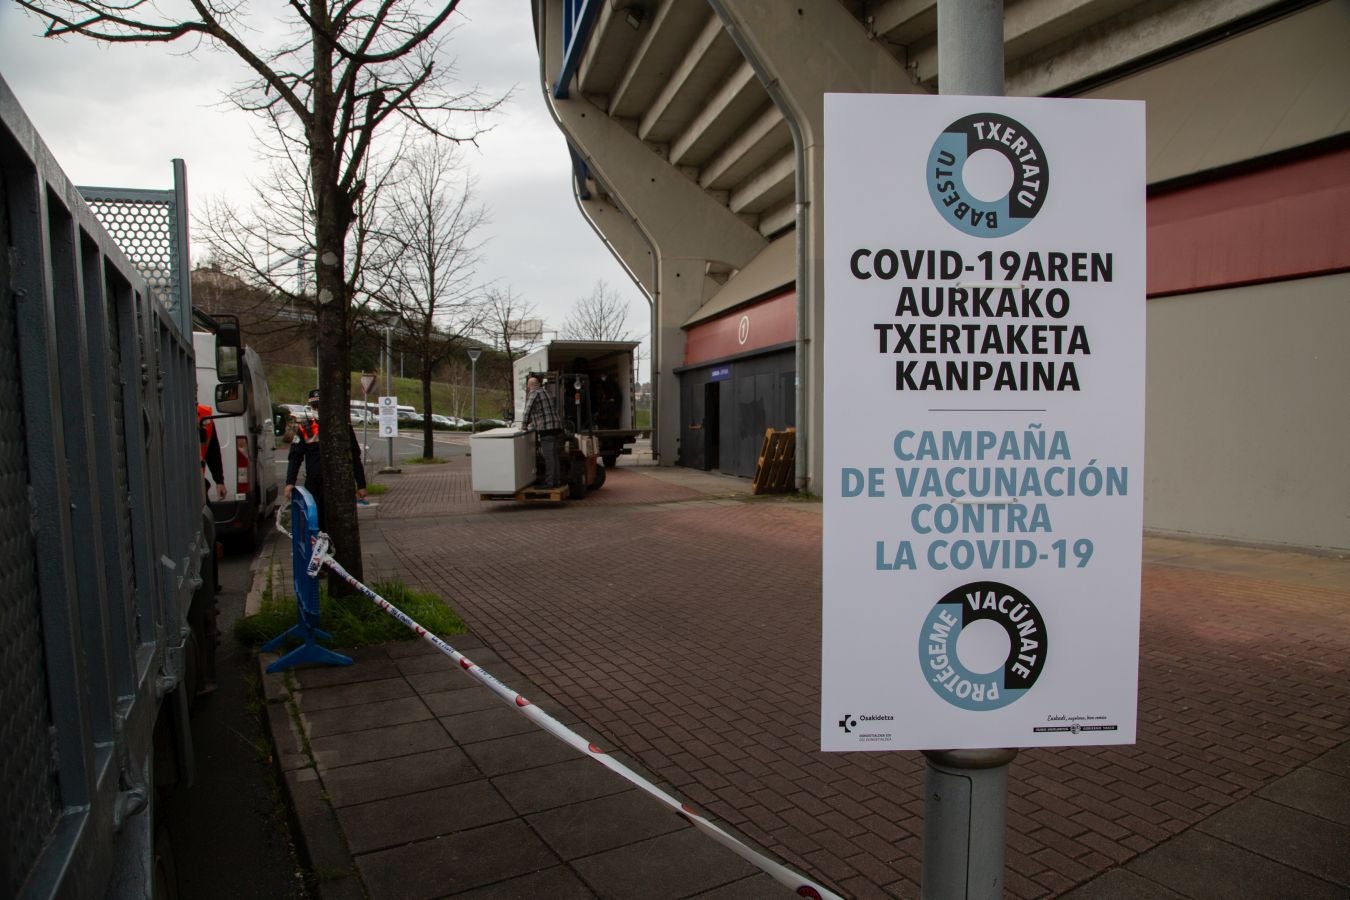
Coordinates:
[541,417]
[211,459]
[305,448]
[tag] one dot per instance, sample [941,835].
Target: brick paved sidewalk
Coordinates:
[684,629]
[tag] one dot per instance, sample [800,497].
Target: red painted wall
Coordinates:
[1286,221]
[763,324]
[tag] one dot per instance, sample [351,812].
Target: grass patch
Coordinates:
[423,461]
[375,489]
[292,384]
[354,621]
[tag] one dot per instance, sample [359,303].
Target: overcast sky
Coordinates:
[117,115]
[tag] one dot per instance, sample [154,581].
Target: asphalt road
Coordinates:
[229,832]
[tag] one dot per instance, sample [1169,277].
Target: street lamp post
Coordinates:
[474,353]
[389,376]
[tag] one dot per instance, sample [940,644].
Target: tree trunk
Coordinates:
[333,216]
[428,427]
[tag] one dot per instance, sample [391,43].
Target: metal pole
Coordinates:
[966,791]
[474,353]
[389,379]
[970,47]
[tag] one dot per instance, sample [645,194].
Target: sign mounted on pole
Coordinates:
[983,517]
[388,417]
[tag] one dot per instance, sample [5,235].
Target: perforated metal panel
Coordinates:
[28,799]
[143,225]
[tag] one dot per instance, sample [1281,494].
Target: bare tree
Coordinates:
[431,221]
[601,316]
[505,318]
[344,72]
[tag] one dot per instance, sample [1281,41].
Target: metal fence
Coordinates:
[101,532]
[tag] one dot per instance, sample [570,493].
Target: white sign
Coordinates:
[984,421]
[388,417]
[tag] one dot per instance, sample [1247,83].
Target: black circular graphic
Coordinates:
[1007,137]
[1011,610]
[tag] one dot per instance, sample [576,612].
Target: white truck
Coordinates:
[247,446]
[596,382]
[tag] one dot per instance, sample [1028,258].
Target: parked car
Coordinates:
[414,418]
[441,421]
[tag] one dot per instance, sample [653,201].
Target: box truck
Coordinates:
[598,388]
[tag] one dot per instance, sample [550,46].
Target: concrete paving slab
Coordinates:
[397,777]
[487,724]
[593,826]
[442,679]
[668,867]
[454,703]
[405,649]
[571,781]
[1336,761]
[519,752]
[1205,868]
[378,743]
[756,887]
[1314,791]
[1289,836]
[323,676]
[557,883]
[373,691]
[437,662]
[342,719]
[455,863]
[1122,884]
[426,814]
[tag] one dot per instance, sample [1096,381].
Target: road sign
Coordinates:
[367,382]
[984,272]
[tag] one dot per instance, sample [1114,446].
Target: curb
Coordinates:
[318,836]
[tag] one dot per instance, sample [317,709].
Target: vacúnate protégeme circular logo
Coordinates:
[947,179]
[940,657]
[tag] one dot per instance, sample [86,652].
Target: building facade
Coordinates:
[695,129]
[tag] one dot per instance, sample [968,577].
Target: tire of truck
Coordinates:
[599,481]
[610,459]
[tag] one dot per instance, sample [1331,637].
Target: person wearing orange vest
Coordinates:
[305,449]
[210,445]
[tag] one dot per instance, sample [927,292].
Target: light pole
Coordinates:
[474,353]
[389,374]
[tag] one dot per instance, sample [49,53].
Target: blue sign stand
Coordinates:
[304,528]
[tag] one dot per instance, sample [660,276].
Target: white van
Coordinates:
[247,446]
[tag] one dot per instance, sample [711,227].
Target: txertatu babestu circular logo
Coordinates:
[940,659]
[947,178]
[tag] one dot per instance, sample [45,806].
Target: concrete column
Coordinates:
[684,227]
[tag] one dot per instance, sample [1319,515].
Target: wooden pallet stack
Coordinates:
[775,472]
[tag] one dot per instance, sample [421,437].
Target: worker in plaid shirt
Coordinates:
[541,417]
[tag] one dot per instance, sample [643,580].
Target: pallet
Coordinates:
[775,472]
[533,494]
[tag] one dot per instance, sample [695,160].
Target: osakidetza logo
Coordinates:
[868,726]
[968,175]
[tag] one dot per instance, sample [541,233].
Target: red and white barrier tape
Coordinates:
[780,873]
